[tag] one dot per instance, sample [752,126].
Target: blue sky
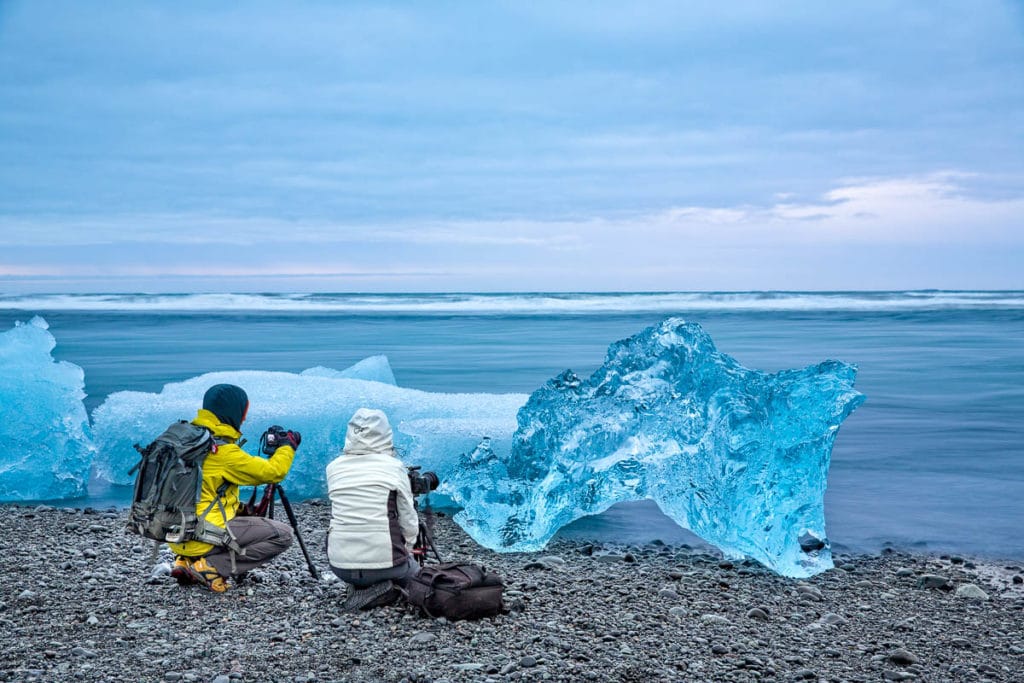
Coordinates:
[311,146]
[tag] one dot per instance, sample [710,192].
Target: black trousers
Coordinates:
[362,578]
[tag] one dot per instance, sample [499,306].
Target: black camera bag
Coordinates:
[456,590]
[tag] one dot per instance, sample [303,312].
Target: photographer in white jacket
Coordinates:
[373,522]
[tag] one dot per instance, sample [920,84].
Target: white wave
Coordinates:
[522,304]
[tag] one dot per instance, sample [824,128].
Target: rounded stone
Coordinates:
[902,657]
[971,592]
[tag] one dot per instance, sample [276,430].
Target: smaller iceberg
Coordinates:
[47,449]
[739,457]
[372,369]
[431,429]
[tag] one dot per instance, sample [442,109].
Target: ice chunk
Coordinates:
[372,369]
[431,429]
[44,429]
[738,456]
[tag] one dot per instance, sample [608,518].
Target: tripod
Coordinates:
[265,508]
[425,538]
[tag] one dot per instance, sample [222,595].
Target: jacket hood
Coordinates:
[228,402]
[204,418]
[369,432]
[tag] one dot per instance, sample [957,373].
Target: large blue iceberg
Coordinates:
[43,425]
[738,456]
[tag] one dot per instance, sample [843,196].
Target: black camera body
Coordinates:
[277,436]
[424,482]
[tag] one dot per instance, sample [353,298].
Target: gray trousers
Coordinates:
[362,578]
[261,539]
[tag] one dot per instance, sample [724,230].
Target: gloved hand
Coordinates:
[276,436]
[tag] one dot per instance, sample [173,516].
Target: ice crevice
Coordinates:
[738,456]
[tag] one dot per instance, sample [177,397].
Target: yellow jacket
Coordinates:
[230,464]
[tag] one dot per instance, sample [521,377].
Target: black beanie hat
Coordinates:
[227,402]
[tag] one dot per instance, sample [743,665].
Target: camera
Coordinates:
[278,436]
[422,482]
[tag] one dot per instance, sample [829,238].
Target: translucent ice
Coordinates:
[431,429]
[44,429]
[372,369]
[738,456]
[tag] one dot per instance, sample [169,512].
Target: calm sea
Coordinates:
[934,460]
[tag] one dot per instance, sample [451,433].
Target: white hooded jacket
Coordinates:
[373,521]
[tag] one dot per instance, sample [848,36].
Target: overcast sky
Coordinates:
[435,146]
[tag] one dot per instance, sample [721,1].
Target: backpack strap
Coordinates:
[211,533]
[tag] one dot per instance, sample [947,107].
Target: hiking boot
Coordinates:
[180,573]
[378,595]
[203,573]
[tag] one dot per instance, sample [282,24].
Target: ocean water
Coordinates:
[933,461]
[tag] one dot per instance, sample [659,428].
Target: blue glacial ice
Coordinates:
[44,430]
[372,369]
[431,429]
[739,457]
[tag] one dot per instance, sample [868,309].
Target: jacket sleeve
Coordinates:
[248,470]
[407,517]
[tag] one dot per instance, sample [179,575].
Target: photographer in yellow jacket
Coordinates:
[238,544]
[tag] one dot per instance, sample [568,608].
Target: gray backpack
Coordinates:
[168,483]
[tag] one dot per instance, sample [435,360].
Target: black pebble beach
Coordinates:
[80,602]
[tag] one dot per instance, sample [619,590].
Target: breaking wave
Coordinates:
[524,304]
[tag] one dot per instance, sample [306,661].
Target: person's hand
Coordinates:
[276,436]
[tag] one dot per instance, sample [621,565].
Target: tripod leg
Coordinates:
[295,527]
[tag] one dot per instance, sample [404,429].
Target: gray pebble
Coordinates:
[898,675]
[82,652]
[668,594]
[610,558]
[422,637]
[757,613]
[902,657]
[810,592]
[715,619]
[933,581]
[832,619]
[971,592]
[903,572]
[528,662]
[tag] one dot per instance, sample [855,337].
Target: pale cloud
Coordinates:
[933,209]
